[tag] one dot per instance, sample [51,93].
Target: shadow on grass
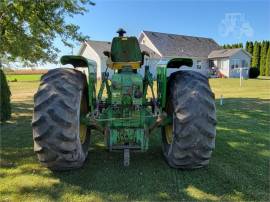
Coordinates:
[238,170]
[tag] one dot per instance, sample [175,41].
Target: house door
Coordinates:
[211,64]
[212,67]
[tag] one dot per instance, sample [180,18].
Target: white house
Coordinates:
[204,52]
[170,46]
[229,61]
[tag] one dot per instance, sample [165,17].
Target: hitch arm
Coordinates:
[92,123]
[162,120]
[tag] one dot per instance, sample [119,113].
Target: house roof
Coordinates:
[223,53]
[101,46]
[180,45]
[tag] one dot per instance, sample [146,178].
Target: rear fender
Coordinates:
[164,69]
[77,61]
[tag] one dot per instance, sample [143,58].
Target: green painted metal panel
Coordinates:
[77,61]
[126,116]
[127,88]
[125,49]
[161,85]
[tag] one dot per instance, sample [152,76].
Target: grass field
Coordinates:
[238,171]
[24,77]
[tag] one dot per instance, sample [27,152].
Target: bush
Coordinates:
[253,73]
[5,107]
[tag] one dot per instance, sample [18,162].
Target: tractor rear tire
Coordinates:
[191,103]
[58,104]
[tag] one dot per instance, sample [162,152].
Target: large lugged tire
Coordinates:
[189,141]
[60,141]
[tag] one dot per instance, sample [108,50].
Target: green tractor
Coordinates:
[70,104]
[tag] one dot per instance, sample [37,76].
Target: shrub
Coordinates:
[5,107]
[253,73]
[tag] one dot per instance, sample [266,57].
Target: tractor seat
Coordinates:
[125,52]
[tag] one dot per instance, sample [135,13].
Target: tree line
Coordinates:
[260,52]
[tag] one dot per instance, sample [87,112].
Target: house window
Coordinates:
[199,64]
[235,63]
[244,63]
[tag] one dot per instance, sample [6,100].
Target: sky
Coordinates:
[225,21]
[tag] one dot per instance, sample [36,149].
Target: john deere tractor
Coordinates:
[126,107]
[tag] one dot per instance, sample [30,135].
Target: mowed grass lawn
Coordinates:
[23,77]
[238,171]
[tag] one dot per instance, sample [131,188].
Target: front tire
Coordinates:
[60,141]
[189,141]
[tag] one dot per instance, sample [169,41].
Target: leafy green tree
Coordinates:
[250,48]
[247,46]
[256,55]
[267,63]
[263,54]
[5,107]
[29,27]
[230,46]
[240,45]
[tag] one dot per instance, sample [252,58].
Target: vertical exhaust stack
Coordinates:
[121,32]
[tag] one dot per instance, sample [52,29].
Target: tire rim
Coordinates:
[169,133]
[169,127]
[83,128]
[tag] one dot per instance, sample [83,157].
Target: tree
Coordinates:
[253,73]
[256,55]
[247,46]
[263,54]
[235,45]
[5,107]
[267,63]
[239,45]
[250,50]
[28,28]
